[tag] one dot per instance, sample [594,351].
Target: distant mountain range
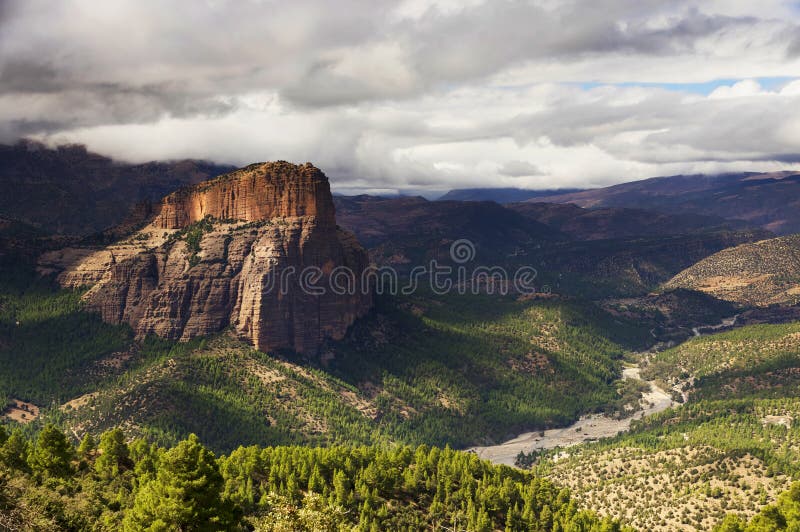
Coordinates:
[768,200]
[501,195]
[414,230]
[627,250]
[619,222]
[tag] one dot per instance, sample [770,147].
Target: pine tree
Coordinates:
[87,446]
[731,523]
[14,452]
[341,488]
[52,453]
[114,454]
[316,483]
[185,495]
[145,457]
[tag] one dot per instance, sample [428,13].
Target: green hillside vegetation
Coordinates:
[46,484]
[731,449]
[747,350]
[486,367]
[455,370]
[784,515]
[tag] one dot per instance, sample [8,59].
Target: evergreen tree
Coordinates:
[185,495]
[14,452]
[114,454]
[52,453]
[87,446]
[731,523]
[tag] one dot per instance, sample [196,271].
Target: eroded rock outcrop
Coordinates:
[230,252]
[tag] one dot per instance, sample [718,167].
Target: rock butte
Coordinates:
[258,221]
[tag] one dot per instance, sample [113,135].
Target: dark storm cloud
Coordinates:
[479,41]
[791,158]
[26,76]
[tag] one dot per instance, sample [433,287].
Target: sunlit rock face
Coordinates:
[219,254]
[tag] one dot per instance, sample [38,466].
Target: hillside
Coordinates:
[767,200]
[422,369]
[760,273]
[500,195]
[733,447]
[414,230]
[70,190]
[411,231]
[108,484]
[617,222]
[626,267]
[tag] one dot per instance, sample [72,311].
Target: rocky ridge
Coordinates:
[227,252]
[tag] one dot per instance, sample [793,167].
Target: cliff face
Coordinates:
[255,193]
[230,252]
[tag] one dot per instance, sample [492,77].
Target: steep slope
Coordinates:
[458,370]
[759,273]
[634,266]
[769,200]
[229,252]
[72,191]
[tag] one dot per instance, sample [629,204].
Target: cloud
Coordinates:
[744,88]
[519,169]
[418,94]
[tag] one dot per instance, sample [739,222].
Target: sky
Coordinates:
[415,95]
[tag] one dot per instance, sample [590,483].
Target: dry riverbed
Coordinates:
[587,428]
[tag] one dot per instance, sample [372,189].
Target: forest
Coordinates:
[438,370]
[47,484]
[732,448]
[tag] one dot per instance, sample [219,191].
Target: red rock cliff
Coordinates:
[257,192]
[261,227]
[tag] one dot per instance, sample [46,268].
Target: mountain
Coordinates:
[759,273]
[597,269]
[501,195]
[414,230]
[214,255]
[767,200]
[73,191]
[167,325]
[410,231]
[618,222]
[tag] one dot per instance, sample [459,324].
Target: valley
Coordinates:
[587,429]
[625,375]
[403,266]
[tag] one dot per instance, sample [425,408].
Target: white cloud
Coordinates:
[421,94]
[744,88]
